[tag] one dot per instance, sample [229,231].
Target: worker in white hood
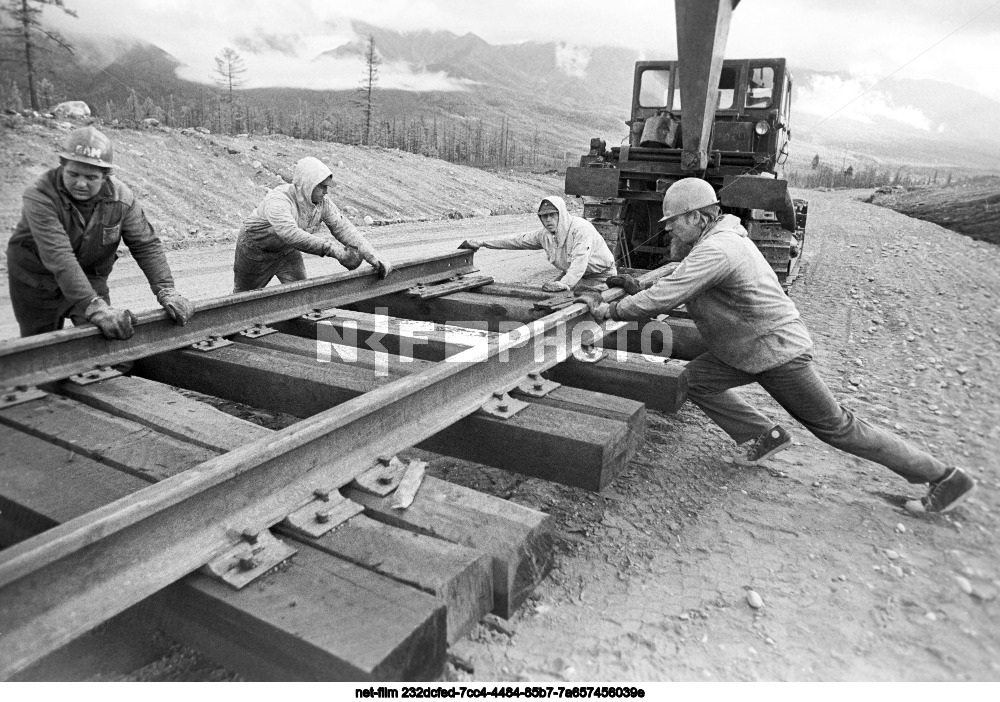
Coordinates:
[571,244]
[287,222]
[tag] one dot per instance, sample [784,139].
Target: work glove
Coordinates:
[348,256]
[599,309]
[382,268]
[626,282]
[114,324]
[471,244]
[555,286]
[177,306]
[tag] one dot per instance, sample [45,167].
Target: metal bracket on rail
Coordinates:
[556,302]
[589,354]
[255,554]
[383,477]
[325,512]
[429,291]
[537,386]
[319,315]
[258,330]
[95,376]
[502,405]
[16,395]
[211,343]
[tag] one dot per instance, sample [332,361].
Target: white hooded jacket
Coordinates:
[288,220]
[576,248]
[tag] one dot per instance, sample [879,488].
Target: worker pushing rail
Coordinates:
[65,245]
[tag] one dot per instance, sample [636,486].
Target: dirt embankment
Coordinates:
[970,207]
[197,187]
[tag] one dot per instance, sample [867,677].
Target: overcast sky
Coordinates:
[867,38]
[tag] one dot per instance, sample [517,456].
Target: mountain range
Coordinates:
[561,96]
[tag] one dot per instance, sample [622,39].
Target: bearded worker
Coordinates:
[754,335]
[570,243]
[65,245]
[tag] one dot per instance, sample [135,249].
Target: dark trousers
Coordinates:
[251,273]
[44,309]
[798,388]
[254,268]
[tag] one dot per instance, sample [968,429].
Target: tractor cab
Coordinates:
[752,110]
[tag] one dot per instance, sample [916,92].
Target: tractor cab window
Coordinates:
[654,88]
[761,87]
[729,81]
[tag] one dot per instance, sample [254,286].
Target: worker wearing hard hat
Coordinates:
[754,335]
[287,222]
[64,247]
[571,244]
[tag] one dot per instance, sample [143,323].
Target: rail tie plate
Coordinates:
[242,563]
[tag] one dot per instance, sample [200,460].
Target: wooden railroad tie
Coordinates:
[496,313]
[576,437]
[331,611]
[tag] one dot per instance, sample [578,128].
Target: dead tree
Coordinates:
[229,70]
[29,31]
[366,90]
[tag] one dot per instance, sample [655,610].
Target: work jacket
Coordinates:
[53,247]
[576,248]
[286,220]
[734,298]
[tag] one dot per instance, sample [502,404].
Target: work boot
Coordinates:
[946,493]
[769,443]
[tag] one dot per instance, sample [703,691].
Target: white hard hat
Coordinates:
[687,195]
[87,145]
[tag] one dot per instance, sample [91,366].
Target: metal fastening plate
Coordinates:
[211,343]
[556,302]
[95,376]
[258,330]
[502,405]
[253,556]
[317,315]
[427,291]
[589,354]
[382,478]
[323,514]
[22,393]
[537,386]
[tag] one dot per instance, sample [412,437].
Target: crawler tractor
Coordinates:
[725,121]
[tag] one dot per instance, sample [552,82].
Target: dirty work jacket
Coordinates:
[54,248]
[286,220]
[576,248]
[734,298]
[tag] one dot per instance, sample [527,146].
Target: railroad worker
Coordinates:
[571,244]
[64,246]
[754,334]
[287,222]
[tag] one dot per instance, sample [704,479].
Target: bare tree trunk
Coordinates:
[29,60]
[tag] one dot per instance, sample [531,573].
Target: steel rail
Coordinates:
[60,354]
[69,579]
